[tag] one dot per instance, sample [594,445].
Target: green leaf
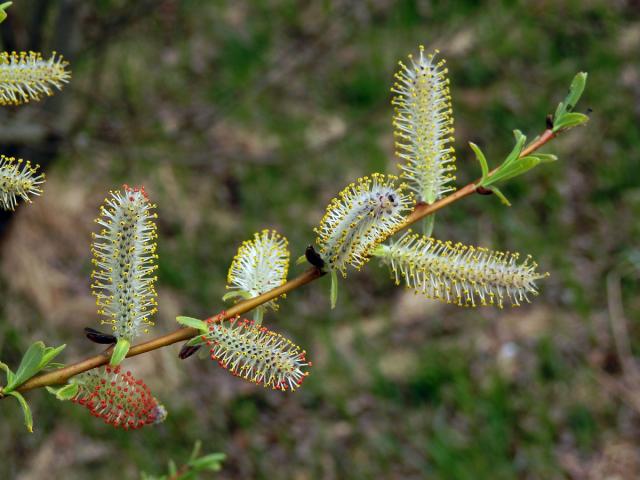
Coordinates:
[482,160]
[334,289]
[29,365]
[235,294]
[3,7]
[197,340]
[301,259]
[517,148]
[173,470]
[10,375]
[119,352]
[501,196]
[569,120]
[569,103]
[197,445]
[546,157]
[54,366]
[514,169]
[427,224]
[212,462]
[49,354]
[28,418]
[66,392]
[193,323]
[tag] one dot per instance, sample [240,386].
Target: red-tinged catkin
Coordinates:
[118,398]
[256,354]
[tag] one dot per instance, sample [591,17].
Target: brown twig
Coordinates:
[62,375]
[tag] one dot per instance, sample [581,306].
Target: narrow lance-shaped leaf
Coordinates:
[26,411]
[564,116]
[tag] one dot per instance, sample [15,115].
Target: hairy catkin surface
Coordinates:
[423,124]
[362,216]
[124,256]
[26,76]
[464,275]
[257,354]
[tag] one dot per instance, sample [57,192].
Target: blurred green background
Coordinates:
[243,115]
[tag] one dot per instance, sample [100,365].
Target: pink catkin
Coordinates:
[118,398]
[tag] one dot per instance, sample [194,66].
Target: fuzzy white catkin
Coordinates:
[18,179]
[124,256]
[455,273]
[257,354]
[260,265]
[27,76]
[423,124]
[362,216]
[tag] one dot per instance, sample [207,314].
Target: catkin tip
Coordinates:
[19,179]
[26,76]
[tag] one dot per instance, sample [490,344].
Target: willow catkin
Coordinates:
[423,124]
[460,274]
[124,257]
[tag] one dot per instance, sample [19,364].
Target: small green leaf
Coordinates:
[119,352]
[334,289]
[66,392]
[10,375]
[212,462]
[195,341]
[28,418]
[517,148]
[427,224]
[49,354]
[54,366]
[173,470]
[545,157]
[3,7]
[197,445]
[193,323]
[569,120]
[514,169]
[235,294]
[569,103]
[29,365]
[501,196]
[301,259]
[482,160]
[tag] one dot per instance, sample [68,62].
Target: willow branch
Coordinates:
[422,210]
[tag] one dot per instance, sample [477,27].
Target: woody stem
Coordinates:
[422,210]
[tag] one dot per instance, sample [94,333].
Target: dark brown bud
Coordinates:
[549,122]
[187,350]
[483,191]
[314,257]
[99,337]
